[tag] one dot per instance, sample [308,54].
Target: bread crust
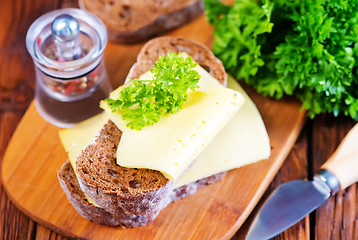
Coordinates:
[137,20]
[76,197]
[159,46]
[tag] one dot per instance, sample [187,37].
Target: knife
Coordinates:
[292,201]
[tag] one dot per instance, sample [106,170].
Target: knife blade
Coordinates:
[292,201]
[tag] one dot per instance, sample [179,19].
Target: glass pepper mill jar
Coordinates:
[67,47]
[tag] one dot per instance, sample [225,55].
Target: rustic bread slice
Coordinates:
[115,188]
[135,191]
[138,20]
[191,188]
[75,195]
[162,45]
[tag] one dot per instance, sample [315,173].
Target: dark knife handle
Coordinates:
[329,180]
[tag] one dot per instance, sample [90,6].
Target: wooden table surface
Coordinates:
[336,219]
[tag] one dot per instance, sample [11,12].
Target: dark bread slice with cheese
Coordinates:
[136,191]
[137,20]
[116,188]
[75,195]
[113,187]
[139,192]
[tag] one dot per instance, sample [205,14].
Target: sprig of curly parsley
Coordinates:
[143,102]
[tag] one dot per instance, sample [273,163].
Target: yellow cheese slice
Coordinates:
[76,138]
[172,144]
[242,141]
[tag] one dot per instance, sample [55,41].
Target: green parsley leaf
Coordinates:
[304,48]
[143,103]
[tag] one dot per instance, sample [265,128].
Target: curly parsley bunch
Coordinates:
[306,48]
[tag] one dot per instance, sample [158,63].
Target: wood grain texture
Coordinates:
[14,224]
[337,218]
[16,93]
[45,233]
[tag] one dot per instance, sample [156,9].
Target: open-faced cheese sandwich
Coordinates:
[122,176]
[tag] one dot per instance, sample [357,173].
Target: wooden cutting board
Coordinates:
[34,155]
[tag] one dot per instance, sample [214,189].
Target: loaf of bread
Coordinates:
[131,197]
[130,21]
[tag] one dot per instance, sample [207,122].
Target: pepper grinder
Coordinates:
[67,47]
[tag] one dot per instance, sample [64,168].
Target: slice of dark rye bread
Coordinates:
[75,195]
[140,192]
[156,47]
[137,20]
[113,187]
